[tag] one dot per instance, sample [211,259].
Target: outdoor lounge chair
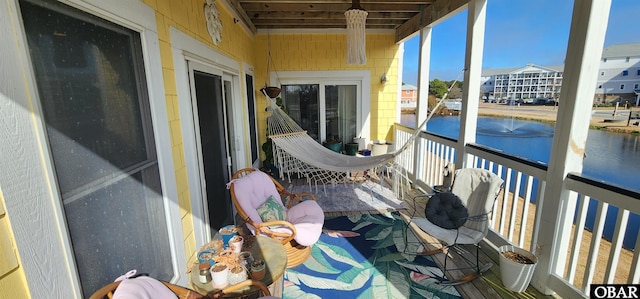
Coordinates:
[300,226]
[179,292]
[108,291]
[462,215]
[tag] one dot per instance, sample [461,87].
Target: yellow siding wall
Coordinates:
[291,52]
[327,52]
[13,283]
[188,17]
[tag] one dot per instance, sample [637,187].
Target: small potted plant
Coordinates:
[268,164]
[220,275]
[258,269]
[237,274]
[516,267]
[333,143]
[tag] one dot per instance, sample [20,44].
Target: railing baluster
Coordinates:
[601,214]
[616,245]
[539,202]
[577,237]
[505,201]
[634,272]
[525,213]
[514,207]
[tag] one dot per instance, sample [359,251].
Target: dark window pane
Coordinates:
[91,86]
[301,102]
[87,86]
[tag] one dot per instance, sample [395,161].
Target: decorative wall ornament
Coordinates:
[356,36]
[214,25]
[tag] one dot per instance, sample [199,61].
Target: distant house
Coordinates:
[409,96]
[619,74]
[454,104]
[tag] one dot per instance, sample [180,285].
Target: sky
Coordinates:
[517,32]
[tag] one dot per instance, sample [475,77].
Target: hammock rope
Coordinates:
[294,151]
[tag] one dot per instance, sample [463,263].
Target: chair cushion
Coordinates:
[308,218]
[252,191]
[446,210]
[271,210]
[142,287]
[462,235]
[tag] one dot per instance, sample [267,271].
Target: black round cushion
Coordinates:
[446,210]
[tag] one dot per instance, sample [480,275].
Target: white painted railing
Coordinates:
[592,261]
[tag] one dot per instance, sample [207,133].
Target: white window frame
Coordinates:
[38,218]
[360,78]
[248,69]
[186,48]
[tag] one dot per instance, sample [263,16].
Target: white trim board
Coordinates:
[186,48]
[37,215]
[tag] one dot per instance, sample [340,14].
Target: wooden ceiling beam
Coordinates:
[362,2]
[251,8]
[322,26]
[282,15]
[337,22]
[237,9]
[431,14]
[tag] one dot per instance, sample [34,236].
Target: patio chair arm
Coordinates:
[480,217]
[240,285]
[265,228]
[297,197]
[415,202]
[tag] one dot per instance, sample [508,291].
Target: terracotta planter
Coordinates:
[258,269]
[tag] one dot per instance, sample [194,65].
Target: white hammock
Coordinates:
[294,151]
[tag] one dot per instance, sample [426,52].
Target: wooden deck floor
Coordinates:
[487,286]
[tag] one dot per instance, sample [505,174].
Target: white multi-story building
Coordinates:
[618,79]
[525,83]
[619,75]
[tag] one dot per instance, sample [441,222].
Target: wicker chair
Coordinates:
[303,226]
[184,293]
[181,292]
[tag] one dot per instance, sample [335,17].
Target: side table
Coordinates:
[261,247]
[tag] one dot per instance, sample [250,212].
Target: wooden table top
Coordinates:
[261,247]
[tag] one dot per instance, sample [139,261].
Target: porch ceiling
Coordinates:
[404,16]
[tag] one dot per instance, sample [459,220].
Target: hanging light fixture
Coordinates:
[356,38]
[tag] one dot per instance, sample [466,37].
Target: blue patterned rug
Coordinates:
[358,257]
[366,196]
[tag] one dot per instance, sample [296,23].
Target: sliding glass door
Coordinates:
[327,110]
[341,112]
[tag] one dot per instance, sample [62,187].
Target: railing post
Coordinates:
[472,72]
[584,51]
[422,110]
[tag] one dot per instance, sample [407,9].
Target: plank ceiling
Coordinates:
[405,17]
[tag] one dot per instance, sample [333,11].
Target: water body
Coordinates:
[610,157]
